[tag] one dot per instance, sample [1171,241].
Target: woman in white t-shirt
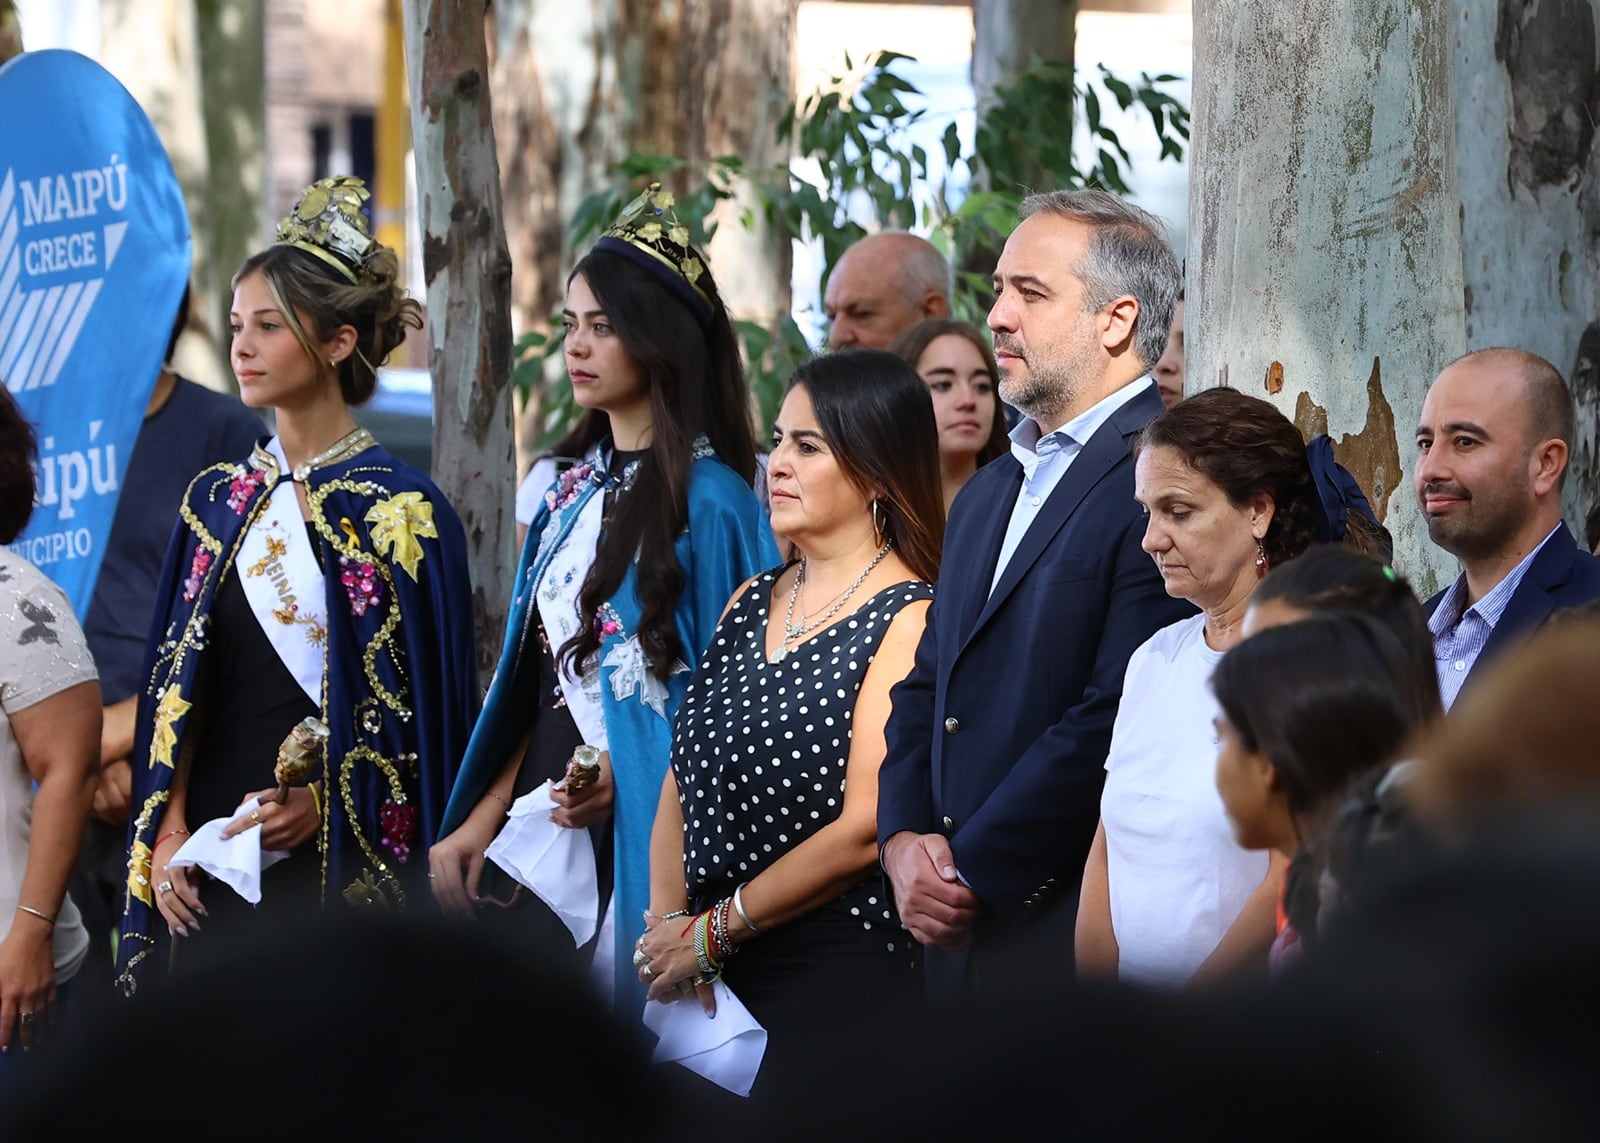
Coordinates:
[1169,897]
[49,735]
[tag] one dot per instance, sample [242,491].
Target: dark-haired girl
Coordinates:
[624,570]
[1307,709]
[319,586]
[766,838]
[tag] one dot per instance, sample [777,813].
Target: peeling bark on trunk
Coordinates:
[468,273]
[1324,234]
[1527,94]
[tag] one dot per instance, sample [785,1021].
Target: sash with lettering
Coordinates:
[94,256]
[400,688]
[281,579]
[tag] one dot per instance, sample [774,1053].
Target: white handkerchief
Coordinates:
[237,861]
[555,862]
[726,1048]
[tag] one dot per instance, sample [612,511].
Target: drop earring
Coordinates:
[1261,558]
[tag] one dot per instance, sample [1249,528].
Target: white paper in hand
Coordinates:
[726,1048]
[237,861]
[556,863]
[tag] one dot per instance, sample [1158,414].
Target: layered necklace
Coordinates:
[793,632]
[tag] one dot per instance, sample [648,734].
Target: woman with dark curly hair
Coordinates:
[1169,898]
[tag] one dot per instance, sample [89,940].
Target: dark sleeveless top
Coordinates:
[759,749]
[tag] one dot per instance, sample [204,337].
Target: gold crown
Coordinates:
[648,224]
[327,222]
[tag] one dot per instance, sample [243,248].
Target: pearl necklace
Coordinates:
[791,632]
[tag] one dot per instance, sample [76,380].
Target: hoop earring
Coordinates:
[877,521]
[1261,558]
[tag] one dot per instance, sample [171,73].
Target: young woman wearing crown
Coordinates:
[316,596]
[624,572]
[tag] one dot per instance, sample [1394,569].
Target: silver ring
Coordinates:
[430,875]
[164,887]
[26,1018]
[646,971]
[639,958]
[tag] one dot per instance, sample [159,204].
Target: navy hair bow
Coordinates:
[1338,494]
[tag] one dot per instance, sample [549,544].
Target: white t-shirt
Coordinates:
[1177,877]
[531,491]
[42,652]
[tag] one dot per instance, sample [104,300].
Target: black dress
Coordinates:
[250,704]
[759,752]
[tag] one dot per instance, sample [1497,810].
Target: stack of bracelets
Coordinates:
[712,943]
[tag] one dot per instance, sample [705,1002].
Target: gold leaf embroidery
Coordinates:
[396,524]
[169,710]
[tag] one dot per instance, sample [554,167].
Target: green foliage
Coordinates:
[854,135]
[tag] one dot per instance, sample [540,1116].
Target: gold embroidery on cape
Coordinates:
[378,885]
[396,524]
[169,709]
[141,854]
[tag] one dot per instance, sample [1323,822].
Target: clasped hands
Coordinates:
[935,907]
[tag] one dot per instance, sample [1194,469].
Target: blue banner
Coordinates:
[94,256]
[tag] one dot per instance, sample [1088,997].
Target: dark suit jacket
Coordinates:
[1561,575]
[998,737]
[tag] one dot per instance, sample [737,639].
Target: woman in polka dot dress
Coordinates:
[763,858]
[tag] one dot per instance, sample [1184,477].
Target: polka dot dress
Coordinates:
[759,749]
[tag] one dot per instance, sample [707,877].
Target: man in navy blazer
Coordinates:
[989,792]
[1492,447]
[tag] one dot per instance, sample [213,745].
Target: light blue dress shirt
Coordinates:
[1045,460]
[1460,634]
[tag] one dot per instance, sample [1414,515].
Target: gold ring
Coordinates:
[255,816]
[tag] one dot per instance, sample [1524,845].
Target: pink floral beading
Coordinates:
[361,584]
[197,572]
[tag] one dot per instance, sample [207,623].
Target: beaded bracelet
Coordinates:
[702,957]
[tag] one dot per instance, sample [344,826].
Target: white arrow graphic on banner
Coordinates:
[38,328]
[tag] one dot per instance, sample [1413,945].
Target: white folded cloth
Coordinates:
[556,863]
[237,861]
[726,1048]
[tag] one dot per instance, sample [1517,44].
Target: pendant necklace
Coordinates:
[791,632]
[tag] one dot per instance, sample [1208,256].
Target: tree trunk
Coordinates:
[10,31]
[1324,246]
[1010,36]
[152,47]
[233,89]
[468,273]
[1526,99]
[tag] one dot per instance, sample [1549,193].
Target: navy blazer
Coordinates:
[998,736]
[1561,575]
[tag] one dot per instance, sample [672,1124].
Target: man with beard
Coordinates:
[989,792]
[1492,447]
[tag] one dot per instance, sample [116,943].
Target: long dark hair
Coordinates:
[877,416]
[18,451]
[1337,577]
[696,385]
[912,343]
[1331,700]
[1245,446]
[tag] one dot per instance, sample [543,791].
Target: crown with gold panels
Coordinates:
[648,226]
[328,223]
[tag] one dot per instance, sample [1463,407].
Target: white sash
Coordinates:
[283,583]
[556,597]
